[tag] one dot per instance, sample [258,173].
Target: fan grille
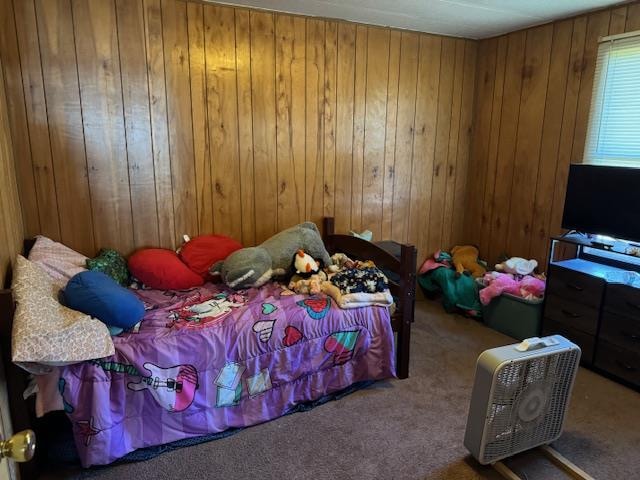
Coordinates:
[529,402]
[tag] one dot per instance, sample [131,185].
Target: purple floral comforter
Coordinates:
[209,359]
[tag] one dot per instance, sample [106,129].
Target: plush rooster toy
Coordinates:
[304,265]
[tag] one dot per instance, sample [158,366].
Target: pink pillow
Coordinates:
[59,261]
[162,269]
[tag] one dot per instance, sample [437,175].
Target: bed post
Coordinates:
[408,258]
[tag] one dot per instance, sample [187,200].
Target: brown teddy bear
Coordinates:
[465,258]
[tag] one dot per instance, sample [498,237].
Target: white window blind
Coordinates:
[613,136]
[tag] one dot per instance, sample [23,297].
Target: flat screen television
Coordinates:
[603,200]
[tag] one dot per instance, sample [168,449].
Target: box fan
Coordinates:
[519,401]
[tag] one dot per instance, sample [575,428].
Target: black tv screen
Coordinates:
[603,200]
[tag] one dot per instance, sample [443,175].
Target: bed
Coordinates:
[269,353]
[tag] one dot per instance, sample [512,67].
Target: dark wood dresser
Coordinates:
[585,304]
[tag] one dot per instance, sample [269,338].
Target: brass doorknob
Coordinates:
[19,447]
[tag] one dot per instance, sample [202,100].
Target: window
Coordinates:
[613,137]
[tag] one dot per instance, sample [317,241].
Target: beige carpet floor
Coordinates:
[408,429]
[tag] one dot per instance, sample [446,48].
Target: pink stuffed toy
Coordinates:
[496,284]
[531,287]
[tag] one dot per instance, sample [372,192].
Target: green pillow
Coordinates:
[112,264]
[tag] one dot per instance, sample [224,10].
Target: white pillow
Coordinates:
[47,333]
[59,261]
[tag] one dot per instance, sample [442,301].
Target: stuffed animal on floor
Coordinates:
[255,266]
[518,265]
[465,259]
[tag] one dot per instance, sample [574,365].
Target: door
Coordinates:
[7,467]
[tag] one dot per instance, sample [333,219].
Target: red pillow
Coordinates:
[162,269]
[200,253]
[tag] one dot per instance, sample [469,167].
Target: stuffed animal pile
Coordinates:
[255,266]
[514,276]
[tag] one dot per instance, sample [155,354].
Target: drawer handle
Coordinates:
[570,314]
[573,286]
[633,305]
[626,366]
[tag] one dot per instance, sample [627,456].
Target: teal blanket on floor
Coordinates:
[458,291]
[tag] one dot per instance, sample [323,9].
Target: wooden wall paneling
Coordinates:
[329,116]
[199,114]
[483,110]
[597,26]
[440,160]
[16,113]
[576,67]
[548,122]
[452,148]
[492,152]
[153,118]
[424,141]
[550,143]
[359,112]
[633,17]
[137,121]
[245,125]
[618,20]
[178,83]
[507,144]
[103,124]
[535,76]
[375,127]
[344,124]
[159,126]
[222,111]
[460,206]
[290,91]
[407,86]
[388,172]
[314,93]
[11,225]
[36,110]
[65,118]
[264,125]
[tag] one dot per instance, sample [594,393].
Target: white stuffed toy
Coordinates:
[517,265]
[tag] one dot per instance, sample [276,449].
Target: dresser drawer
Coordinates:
[575,286]
[585,341]
[620,330]
[623,300]
[572,314]
[619,362]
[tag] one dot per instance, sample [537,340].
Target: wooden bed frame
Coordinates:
[404,290]
[22,411]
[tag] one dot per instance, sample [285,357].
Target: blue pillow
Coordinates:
[98,295]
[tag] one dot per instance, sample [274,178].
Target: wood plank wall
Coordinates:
[11,229]
[532,106]
[136,121]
